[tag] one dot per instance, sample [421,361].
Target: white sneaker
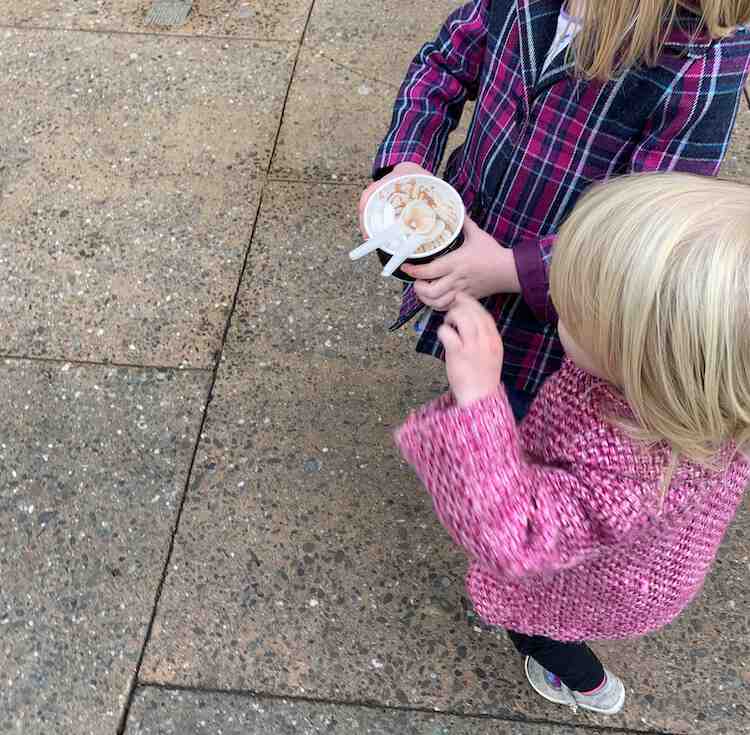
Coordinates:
[608,700]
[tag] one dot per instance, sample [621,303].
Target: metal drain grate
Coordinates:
[169,12]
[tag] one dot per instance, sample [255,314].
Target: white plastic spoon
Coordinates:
[382,238]
[404,249]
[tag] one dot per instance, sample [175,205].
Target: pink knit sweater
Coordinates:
[562,517]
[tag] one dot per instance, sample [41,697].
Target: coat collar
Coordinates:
[687,37]
[538,24]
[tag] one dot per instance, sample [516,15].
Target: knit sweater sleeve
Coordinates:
[513,516]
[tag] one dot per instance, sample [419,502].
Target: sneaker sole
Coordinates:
[613,710]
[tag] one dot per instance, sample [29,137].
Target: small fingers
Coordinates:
[450,338]
[444,302]
[433,290]
[464,322]
[483,319]
[470,227]
[468,301]
[439,268]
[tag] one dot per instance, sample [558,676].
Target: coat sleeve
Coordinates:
[514,517]
[443,75]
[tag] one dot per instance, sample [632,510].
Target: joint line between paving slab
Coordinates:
[371,705]
[319,182]
[358,73]
[150,34]
[170,548]
[123,723]
[102,363]
[289,88]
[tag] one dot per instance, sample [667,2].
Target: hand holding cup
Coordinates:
[480,267]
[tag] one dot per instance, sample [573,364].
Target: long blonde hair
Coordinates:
[618,34]
[651,278]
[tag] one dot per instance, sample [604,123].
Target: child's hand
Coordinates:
[473,350]
[401,169]
[480,267]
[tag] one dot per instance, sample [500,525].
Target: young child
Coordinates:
[600,516]
[563,99]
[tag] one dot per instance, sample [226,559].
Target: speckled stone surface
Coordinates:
[335,139]
[302,294]
[355,57]
[92,465]
[128,190]
[281,19]
[163,712]
[400,27]
[737,162]
[318,564]
[309,563]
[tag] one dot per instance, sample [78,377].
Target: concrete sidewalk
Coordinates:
[204,527]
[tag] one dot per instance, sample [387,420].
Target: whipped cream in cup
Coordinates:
[426,206]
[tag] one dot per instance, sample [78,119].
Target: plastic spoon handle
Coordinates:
[382,238]
[404,250]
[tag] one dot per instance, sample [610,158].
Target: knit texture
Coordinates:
[562,517]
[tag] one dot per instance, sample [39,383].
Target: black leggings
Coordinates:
[575,663]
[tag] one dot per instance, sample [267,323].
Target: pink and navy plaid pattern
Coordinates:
[537,141]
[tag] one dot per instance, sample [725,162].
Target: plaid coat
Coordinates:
[537,140]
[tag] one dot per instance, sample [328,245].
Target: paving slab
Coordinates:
[129,190]
[165,712]
[141,105]
[306,541]
[301,293]
[398,27]
[358,82]
[309,563]
[281,19]
[143,277]
[335,117]
[737,161]
[92,465]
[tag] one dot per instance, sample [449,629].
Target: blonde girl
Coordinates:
[600,516]
[566,94]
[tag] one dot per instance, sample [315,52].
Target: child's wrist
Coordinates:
[506,272]
[467,397]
